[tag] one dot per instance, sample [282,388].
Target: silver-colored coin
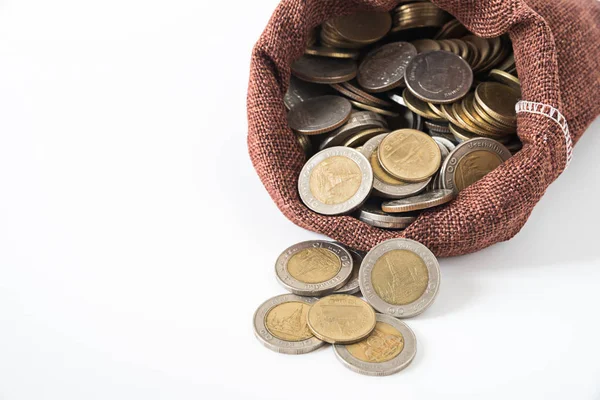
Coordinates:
[294,325]
[477,167]
[383,68]
[359,121]
[437,128]
[335,181]
[319,115]
[314,268]
[324,70]
[449,145]
[438,77]
[377,349]
[386,188]
[352,287]
[299,91]
[371,213]
[419,202]
[388,298]
[443,149]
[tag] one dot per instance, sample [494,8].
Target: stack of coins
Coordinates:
[398,279]
[419,111]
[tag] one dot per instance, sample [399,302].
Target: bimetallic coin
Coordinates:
[341,318]
[419,202]
[438,77]
[383,68]
[384,184]
[335,181]
[371,214]
[314,268]
[409,155]
[351,287]
[280,324]
[470,161]
[399,277]
[323,69]
[390,348]
[319,115]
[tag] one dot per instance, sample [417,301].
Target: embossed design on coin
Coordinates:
[314,267]
[341,318]
[409,155]
[438,77]
[413,274]
[390,348]
[400,277]
[281,325]
[470,161]
[287,321]
[335,181]
[319,115]
[383,68]
[384,184]
[383,344]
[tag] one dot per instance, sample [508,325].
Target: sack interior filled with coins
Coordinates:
[397,113]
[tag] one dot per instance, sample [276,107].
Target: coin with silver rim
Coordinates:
[319,115]
[371,213]
[352,287]
[449,169]
[320,182]
[420,202]
[271,341]
[314,268]
[371,292]
[372,367]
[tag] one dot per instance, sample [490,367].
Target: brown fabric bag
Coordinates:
[557,51]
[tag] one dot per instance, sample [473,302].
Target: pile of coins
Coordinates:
[398,278]
[399,112]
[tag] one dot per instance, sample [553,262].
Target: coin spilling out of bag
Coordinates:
[398,278]
[398,112]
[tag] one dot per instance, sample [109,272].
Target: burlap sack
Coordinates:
[557,51]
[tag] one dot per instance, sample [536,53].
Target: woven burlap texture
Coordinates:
[557,52]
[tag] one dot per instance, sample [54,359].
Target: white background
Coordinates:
[136,240]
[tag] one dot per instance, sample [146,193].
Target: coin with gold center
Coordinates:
[409,155]
[388,349]
[341,318]
[281,325]
[314,268]
[400,277]
[336,180]
[470,161]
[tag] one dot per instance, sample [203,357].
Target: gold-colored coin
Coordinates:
[400,277]
[505,78]
[341,318]
[362,137]
[314,265]
[418,106]
[380,173]
[460,134]
[423,45]
[474,166]
[498,101]
[327,186]
[383,344]
[376,110]
[287,321]
[409,155]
